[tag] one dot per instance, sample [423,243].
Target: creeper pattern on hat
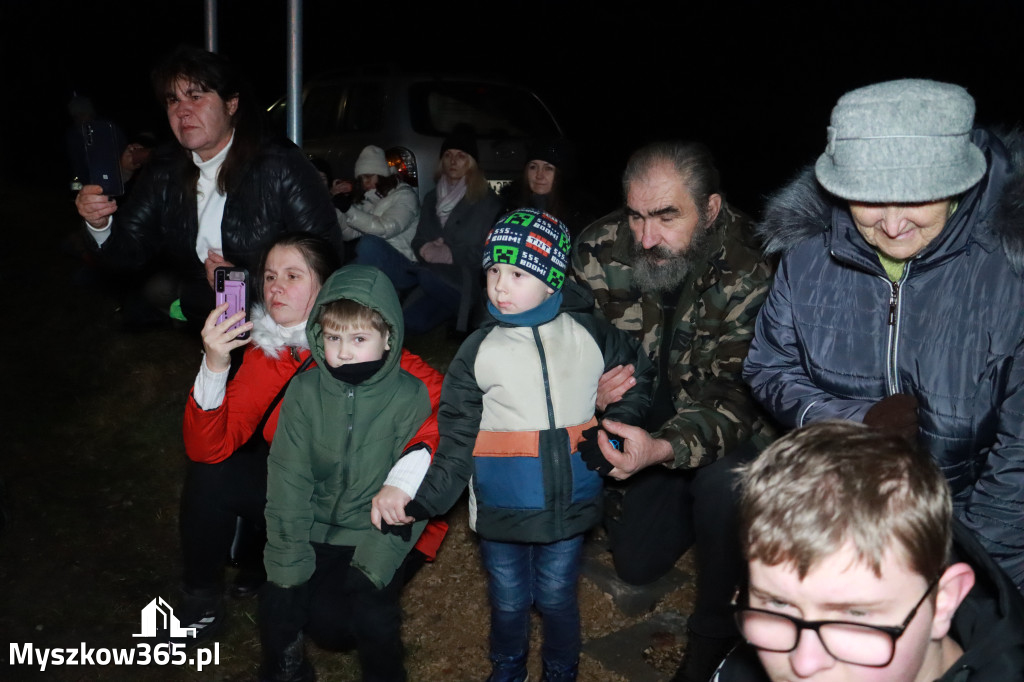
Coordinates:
[533,241]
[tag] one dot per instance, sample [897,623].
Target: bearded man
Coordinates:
[679,269]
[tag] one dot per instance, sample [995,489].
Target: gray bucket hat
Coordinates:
[901,141]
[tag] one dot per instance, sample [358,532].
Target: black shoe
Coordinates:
[570,675]
[202,612]
[702,657]
[289,665]
[247,583]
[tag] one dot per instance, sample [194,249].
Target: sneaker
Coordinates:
[702,657]
[570,675]
[205,613]
[508,669]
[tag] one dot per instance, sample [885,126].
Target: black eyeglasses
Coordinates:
[868,645]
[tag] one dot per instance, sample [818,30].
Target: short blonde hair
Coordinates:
[834,482]
[345,313]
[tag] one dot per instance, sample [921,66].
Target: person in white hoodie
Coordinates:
[382,215]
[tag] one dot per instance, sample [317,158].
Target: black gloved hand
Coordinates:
[591,453]
[895,415]
[342,202]
[403,530]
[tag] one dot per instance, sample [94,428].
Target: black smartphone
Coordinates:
[103,147]
[232,285]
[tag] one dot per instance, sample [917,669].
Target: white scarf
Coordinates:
[449,194]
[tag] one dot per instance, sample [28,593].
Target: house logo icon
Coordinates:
[158,615]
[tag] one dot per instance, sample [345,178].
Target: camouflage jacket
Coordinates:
[712,325]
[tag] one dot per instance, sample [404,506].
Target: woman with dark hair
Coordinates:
[229,424]
[454,221]
[218,197]
[547,185]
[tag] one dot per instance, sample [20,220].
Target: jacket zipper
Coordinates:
[346,472]
[556,460]
[893,320]
[893,342]
[348,435]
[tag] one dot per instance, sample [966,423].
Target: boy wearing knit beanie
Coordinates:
[517,415]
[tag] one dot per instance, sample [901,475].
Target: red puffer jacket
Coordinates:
[212,436]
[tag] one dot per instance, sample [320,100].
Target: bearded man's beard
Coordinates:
[659,269]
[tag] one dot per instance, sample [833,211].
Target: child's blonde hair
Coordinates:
[345,313]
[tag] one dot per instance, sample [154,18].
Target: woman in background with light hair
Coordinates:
[454,221]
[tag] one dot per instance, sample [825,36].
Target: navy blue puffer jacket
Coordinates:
[835,336]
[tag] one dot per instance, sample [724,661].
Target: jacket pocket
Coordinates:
[507,470]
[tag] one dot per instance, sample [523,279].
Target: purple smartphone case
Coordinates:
[232,285]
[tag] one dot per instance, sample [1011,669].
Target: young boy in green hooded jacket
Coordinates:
[343,426]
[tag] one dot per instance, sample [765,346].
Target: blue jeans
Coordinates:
[522,575]
[434,302]
[375,251]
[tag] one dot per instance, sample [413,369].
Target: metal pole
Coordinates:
[294,107]
[210,24]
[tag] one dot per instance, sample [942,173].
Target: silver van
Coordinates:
[410,116]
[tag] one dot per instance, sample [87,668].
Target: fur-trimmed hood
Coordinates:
[804,209]
[272,338]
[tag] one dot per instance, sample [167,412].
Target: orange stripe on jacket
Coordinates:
[522,443]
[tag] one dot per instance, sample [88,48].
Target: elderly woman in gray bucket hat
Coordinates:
[899,298]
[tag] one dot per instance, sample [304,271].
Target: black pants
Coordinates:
[339,608]
[213,497]
[664,513]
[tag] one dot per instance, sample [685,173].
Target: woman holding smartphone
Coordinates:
[217,198]
[230,421]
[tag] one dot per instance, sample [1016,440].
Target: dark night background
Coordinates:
[755,80]
[92,460]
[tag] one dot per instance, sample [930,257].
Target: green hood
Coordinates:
[367,286]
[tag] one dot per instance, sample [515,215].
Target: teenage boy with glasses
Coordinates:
[858,573]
